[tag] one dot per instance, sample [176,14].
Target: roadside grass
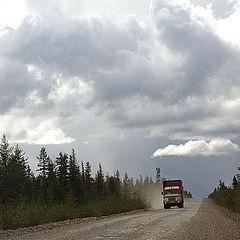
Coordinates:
[228,198]
[32,214]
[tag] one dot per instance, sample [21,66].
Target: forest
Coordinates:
[65,189]
[228,196]
[62,189]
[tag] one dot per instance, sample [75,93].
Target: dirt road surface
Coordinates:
[199,219]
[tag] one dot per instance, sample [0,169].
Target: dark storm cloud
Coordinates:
[66,45]
[204,52]
[170,76]
[13,78]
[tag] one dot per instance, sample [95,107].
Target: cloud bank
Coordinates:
[214,147]
[173,75]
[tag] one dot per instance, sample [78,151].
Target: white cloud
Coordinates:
[12,12]
[214,147]
[45,135]
[227,28]
[32,130]
[114,10]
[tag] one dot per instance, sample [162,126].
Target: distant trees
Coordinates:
[158,174]
[100,185]
[228,196]
[235,183]
[64,188]
[17,174]
[187,194]
[59,180]
[43,164]
[59,185]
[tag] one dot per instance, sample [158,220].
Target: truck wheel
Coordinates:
[180,205]
[166,206]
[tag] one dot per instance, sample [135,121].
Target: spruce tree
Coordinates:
[73,169]
[75,180]
[117,183]
[62,174]
[88,180]
[126,185]
[235,182]
[146,180]
[158,175]
[99,179]
[43,161]
[5,156]
[51,182]
[18,180]
[141,180]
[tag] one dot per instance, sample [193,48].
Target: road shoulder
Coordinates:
[213,222]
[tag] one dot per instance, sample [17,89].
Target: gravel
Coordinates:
[213,222]
[199,219]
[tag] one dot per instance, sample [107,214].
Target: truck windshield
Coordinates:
[171,191]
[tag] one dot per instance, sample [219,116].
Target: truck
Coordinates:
[172,193]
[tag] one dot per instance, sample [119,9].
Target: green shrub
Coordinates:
[24,215]
[227,197]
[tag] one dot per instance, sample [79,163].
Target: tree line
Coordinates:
[59,180]
[228,196]
[62,188]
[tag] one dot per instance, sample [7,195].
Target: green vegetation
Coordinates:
[187,194]
[62,189]
[228,196]
[32,214]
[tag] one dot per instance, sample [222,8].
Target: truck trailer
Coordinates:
[172,193]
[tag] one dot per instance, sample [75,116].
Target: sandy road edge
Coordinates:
[48,226]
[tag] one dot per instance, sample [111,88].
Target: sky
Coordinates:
[133,84]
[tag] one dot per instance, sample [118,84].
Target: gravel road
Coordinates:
[199,219]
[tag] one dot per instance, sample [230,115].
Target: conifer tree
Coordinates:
[51,182]
[99,179]
[5,155]
[235,182]
[111,187]
[62,173]
[158,174]
[83,173]
[88,180]
[146,180]
[43,161]
[17,174]
[117,183]
[73,169]
[126,185]
[75,180]
[141,180]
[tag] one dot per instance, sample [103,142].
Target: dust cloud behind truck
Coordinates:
[172,193]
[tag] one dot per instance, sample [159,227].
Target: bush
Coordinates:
[227,197]
[25,215]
